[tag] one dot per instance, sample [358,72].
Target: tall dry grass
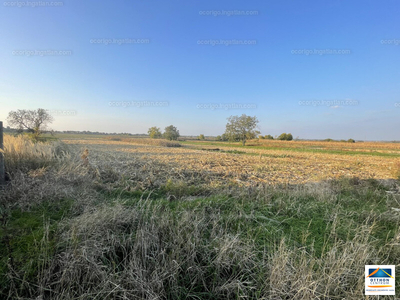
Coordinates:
[81,230]
[22,154]
[153,142]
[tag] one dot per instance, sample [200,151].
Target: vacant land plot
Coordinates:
[130,219]
[231,163]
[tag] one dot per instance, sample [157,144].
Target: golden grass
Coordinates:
[257,166]
[21,153]
[148,141]
[99,234]
[383,147]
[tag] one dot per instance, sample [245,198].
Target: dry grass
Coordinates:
[322,145]
[133,221]
[148,141]
[397,171]
[255,166]
[22,154]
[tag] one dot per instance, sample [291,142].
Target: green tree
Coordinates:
[33,121]
[285,137]
[269,137]
[282,137]
[171,133]
[201,137]
[218,138]
[154,132]
[241,128]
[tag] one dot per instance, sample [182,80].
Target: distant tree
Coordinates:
[328,140]
[33,121]
[285,137]
[171,133]
[261,137]
[201,137]
[224,137]
[282,137]
[269,137]
[241,128]
[351,141]
[218,138]
[154,132]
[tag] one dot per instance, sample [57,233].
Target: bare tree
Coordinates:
[34,121]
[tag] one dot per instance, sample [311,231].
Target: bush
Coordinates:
[269,137]
[351,141]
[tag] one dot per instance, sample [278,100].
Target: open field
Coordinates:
[138,219]
[234,164]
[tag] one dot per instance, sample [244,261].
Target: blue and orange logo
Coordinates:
[380,273]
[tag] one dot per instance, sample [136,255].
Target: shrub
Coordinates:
[351,141]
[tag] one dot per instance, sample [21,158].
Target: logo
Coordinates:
[379,280]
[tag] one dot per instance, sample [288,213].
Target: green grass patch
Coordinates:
[28,241]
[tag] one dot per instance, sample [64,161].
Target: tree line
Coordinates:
[238,129]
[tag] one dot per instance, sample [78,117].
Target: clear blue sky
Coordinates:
[277,72]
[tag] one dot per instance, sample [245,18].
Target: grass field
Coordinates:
[124,218]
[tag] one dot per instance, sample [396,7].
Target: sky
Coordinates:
[317,69]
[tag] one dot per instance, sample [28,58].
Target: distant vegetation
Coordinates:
[171,133]
[285,137]
[241,128]
[342,141]
[154,133]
